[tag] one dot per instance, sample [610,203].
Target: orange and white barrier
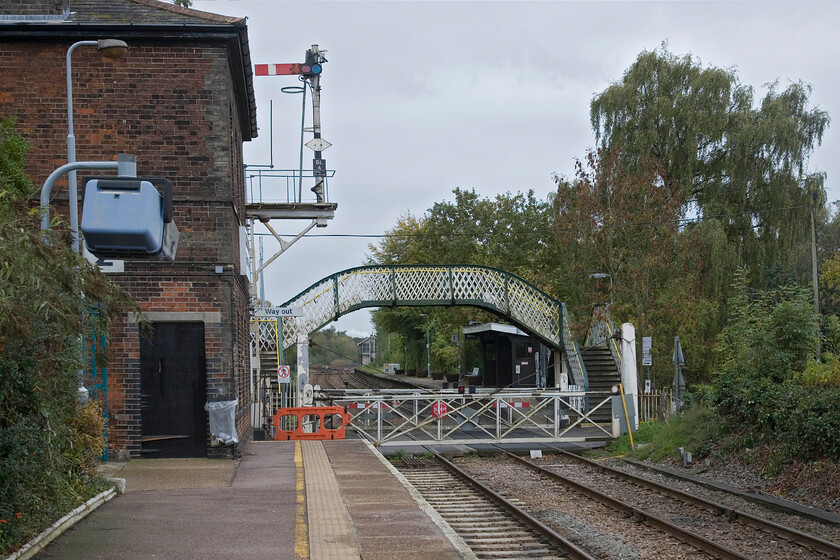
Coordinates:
[304,416]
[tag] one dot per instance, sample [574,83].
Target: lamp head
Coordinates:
[112,48]
[598,275]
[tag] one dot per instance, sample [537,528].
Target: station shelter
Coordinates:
[511,357]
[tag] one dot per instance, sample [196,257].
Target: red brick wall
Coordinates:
[172,106]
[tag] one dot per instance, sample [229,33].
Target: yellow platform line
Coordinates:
[301,533]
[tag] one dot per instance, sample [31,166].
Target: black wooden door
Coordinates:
[173,391]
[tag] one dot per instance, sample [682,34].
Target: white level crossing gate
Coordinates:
[398,417]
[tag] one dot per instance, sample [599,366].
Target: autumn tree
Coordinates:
[629,225]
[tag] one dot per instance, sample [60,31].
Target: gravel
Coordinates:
[609,534]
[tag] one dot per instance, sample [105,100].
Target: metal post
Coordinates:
[428,352]
[815,266]
[302,367]
[110,48]
[378,420]
[498,418]
[262,278]
[126,166]
[319,168]
[71,148]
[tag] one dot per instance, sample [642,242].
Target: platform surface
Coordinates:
[289,500]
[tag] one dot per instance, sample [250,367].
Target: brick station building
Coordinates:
[181,101]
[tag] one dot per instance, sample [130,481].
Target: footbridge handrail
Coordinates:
[506,294]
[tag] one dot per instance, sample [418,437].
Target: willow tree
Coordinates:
[735,160]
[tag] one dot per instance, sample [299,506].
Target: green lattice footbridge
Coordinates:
[492,289]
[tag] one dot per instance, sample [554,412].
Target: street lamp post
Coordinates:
[110,48]
[428,348]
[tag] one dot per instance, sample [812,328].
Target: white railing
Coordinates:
[402,417]
[269,398]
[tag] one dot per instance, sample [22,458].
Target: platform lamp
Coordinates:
[600,276]
[112,49]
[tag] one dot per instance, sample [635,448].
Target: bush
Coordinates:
[48,444]
[822,374]
[769,390]
[697,429]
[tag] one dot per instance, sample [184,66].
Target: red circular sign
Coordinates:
[440,408]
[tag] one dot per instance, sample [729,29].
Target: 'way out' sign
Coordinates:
[274,312]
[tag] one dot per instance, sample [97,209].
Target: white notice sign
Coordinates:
[283,374]
[275,312]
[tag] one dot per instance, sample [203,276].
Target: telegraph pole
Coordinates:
[815,267]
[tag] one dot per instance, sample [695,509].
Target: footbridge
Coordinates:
[505,294]
[492,289]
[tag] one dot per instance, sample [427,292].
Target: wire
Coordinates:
[679,222]
[313,343]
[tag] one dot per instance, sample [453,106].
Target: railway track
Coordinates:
[338,377]
[492,526]
[695,527]
[719,531]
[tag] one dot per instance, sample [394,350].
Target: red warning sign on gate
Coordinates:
[440,408]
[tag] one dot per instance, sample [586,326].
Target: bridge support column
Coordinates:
[302,367]
[561,374]
[629,372]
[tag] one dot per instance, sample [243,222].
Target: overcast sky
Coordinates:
[419,98]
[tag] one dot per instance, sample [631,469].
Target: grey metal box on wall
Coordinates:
[128,218]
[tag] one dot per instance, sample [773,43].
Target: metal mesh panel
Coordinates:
[535,309]
[422,284]
[367,285]
[480,284]
[318,305]
[269,339]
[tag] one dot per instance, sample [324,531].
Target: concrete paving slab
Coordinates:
[174,474]
[387,520]
[253,521]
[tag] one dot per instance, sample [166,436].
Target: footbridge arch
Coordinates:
[503,293]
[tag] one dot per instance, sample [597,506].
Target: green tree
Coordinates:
[511,232]
[329,347]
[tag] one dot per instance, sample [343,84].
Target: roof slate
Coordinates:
[142,12]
